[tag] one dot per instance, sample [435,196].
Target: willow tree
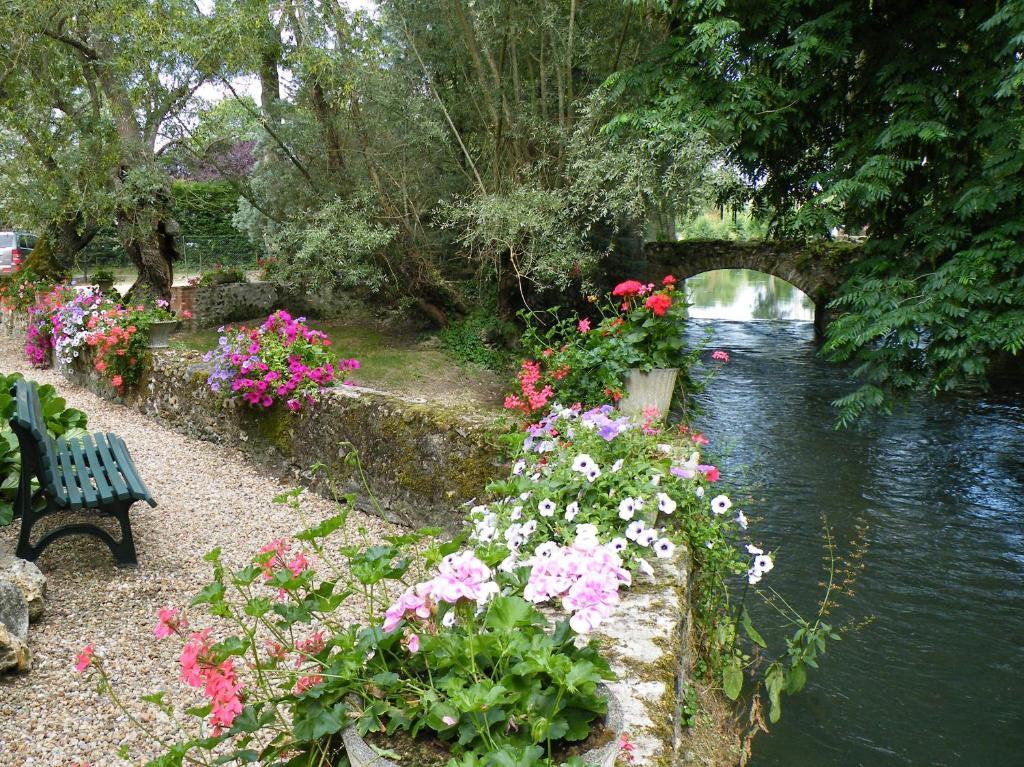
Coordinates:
[139,65]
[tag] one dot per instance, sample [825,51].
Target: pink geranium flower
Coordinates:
[84,659]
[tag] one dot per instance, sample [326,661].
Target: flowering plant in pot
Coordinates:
[636,339]
[282,360]
[298,679]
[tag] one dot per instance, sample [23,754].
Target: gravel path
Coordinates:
[208,496]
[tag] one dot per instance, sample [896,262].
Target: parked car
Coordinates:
[14,248]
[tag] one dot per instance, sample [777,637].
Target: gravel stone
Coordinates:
[13,610]
[208,496]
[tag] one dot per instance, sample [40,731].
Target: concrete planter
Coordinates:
[160,333]
[361,755]
[653,389]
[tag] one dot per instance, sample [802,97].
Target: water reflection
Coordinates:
[742,294]
[935,679]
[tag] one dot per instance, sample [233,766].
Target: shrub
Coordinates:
[222,275]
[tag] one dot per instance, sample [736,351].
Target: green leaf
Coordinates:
[508,613]
[748,627]
[732,680]
[313,720]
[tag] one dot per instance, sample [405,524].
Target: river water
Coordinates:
[937,676]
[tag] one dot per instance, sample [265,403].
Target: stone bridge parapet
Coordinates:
[815,268]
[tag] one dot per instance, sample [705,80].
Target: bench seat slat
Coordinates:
[127,467]
[69,480]
[98,469]
[82,473]
[107,456]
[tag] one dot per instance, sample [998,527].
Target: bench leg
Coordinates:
[123,550]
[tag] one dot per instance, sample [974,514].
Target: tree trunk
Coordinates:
[152,250]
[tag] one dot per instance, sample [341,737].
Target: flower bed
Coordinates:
[282,360]
[66,323]
[462,654]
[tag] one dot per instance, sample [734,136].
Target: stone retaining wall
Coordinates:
[423,462]
[214,305]
[420,462]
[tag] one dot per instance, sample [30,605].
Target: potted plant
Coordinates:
[159,323]
[104,280]
[631,356]
[649,330]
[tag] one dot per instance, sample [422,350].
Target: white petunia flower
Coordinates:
[512,531]
[546,550]
[627,508]
[753,576]
[583,463]
[639,503]
[709,544]
[529,528]
[635,528]
[593,473]
[449,619]
[478,510]
[571,511]
[664,548]
[617,465]
[586,535]
[546,508]
[720,504]
[752,549]
[741,520]
[517,513]
[618,544]
[647,537]
[508,564]
[524,496]
[699,492]
[656,479]
[763,563]
[665,503]
[645,567]
[519,467]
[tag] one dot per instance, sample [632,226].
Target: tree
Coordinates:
[138,64]
[901,118]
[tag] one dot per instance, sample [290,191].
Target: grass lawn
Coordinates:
[400,363]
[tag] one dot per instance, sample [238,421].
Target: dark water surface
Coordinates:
[938,677]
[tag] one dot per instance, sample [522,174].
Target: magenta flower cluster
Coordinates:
[282,360]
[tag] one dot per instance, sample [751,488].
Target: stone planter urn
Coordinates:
[361,755]
[160,333]
[105,286]
[653,389]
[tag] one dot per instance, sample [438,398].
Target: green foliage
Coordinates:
[60,421]
[481,338]
[740,226]
[205,211]
[222,275]
[901,118]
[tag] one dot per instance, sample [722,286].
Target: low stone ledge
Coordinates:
[423,462]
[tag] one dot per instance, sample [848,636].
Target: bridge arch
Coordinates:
[815,271]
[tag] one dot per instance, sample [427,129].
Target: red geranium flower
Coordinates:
[658,304]
[628,288]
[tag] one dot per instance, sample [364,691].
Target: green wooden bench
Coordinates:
[94,472]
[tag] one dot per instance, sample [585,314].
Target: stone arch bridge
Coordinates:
[816,269]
